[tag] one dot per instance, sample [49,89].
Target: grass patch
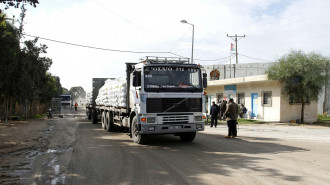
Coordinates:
[240,121]
[323,120]
[38,116]
[249,121]
[323,117]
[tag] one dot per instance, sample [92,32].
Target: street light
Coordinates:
[192,45]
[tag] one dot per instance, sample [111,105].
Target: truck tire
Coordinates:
[89,117]
[137,137]
[110,126]
[188,136]
[103,120]
[94,117]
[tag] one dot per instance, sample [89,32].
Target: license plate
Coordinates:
[175,126]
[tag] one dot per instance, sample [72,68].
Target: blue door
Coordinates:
[254,104]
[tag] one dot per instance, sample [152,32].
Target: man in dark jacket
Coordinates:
[214,114]
[232,115]
[223,107]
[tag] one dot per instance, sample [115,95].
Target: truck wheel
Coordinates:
[88,114]
[94,117]
[137,137]
[188,136]
[110,126]
[103,118]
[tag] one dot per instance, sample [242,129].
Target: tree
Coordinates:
[77,93]
[16,3]
[302,76]
[9,51]
[65,91]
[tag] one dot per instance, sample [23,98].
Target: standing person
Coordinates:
[214,114]
[244,110]
[75,106]
[232,114]
[223,105]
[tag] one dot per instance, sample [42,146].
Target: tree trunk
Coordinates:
[26,109]
[327,68]
[7,110]
[10,107]
[302,111]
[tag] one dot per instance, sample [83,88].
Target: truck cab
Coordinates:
[166,97]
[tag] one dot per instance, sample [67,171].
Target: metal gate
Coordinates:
[55,105]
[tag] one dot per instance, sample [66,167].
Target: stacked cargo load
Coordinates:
[113,93]
[89,98]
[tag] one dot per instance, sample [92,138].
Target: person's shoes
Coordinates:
[211,126]
[233,137]
[227,136]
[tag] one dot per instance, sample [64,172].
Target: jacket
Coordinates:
[215,109]
[232,111]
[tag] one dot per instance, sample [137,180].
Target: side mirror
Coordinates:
[137,78]
[204,80]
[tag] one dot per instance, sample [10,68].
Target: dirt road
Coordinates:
[78,152]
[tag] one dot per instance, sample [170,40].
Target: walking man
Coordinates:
[232,114]
[214,114]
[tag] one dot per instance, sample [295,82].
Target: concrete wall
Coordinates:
[242,70]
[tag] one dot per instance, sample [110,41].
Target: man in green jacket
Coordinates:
[232,114]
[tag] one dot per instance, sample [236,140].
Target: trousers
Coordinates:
[232,127]
[214,120]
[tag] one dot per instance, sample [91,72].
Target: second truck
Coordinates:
[162,96]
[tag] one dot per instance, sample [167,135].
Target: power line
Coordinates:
[224,58]
[255,58]
[130,22]
[236,36]
[92,47]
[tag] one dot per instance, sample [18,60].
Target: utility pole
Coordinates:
[235,39]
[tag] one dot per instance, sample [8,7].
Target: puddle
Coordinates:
[49,129]
[11,173]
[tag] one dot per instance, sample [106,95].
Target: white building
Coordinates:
[260,96]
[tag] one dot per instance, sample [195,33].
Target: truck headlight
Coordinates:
[151,120]
[198,118]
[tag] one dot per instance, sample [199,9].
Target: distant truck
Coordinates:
[163,96]
[65,99]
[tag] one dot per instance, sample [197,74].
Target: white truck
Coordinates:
[163,96]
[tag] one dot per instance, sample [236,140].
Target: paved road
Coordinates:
[82,153]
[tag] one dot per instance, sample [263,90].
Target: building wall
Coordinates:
[254,69]
[280,109]
[293,112]
[271,113]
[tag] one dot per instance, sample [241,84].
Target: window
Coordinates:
[296,100]
[220,97]
[240,98]
[267,99]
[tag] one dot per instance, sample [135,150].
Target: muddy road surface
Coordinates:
[78,152]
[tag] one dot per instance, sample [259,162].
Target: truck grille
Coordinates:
[159,105]
[175,119]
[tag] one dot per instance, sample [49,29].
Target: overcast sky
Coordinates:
[272,28]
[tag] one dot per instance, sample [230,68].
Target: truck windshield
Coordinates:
[172,79]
